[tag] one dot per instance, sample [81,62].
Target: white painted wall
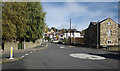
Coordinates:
[75,34]
[51,36]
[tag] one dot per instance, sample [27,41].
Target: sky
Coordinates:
[58,14]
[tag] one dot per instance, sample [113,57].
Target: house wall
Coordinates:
[67,35]
[61,37]
[119,36]
[91,37]
[104,27]
[76,35]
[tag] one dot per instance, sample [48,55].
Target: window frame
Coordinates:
[109,41]
[109,23]
[109,32]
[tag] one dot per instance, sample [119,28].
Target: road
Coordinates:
[57,56]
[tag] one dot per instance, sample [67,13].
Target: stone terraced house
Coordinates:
[103,33]
[119,34]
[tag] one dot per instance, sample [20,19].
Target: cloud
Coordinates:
[79,0]
[58,14]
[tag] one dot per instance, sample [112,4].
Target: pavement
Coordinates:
[19,54]
[57,56]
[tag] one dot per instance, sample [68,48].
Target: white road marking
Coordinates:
[102,52]
[62,47]
[22,56]
[26,54]
[87,56]
[71,46]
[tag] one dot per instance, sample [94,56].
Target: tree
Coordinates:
[46,29]
[63,30]
[22,20]
[13,20]
[54,29]
[36,21]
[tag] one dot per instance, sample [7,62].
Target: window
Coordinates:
[108,23]
[61,35]
[109,42]
[109,33]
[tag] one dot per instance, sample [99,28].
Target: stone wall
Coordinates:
[28,45]
[76,40]
[104,27]
[8,45]
[119,36]
[79,40]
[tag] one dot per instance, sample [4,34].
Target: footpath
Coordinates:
[19,54]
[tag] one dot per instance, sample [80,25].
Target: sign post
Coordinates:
[11,53]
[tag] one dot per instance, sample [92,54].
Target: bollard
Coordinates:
[11,53]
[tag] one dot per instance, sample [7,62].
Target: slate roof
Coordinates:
[94,23]
[72,30]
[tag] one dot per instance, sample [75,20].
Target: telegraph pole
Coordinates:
[70,30]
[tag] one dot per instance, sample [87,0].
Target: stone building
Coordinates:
[119,34]
[103,33]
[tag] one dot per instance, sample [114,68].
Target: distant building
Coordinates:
[119,33]
[61,36]
[74,34]
[103,33]
[50,34]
